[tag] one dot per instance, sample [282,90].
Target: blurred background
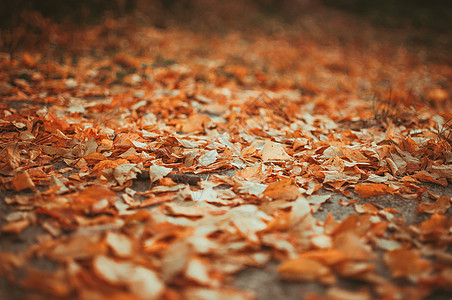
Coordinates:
[58,27]
[433,14]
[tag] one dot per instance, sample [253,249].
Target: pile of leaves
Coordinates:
[156,176]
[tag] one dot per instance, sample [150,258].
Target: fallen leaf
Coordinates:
[352,245]
[284,189]
[406,263]
[23,181]
[195,123]
[141,281]
[366,190]
[208,158]
[126,172]
[441,205]
[198,271]
[225,293]
[366,208]
[254,173]
[429,177]
[157,172]
[336,293]
[305,269]
[94,194]
[347,203]
[274,151]
[16,226]
[120,244]
[10,261]
[437,226]
[52,284]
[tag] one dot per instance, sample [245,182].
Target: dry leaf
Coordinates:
[156,172]
[198,271]
[196,293]
[16,226]
[120,244]
[366,208]
[126,172]
[406,263]
[429,177]
[373,189]
[141,281]
[441,205]
[335,293]
[274,151]
[305,269]
[285,189]
[23,181]
[208,158]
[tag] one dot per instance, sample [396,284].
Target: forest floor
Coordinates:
[308,159]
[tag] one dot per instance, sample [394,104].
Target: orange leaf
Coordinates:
[354,155]
[274,151]
[438,225]
[23,181]
[347,203]
[428,177]
[328,257]
[305,269]
[282,190]
[366,208]
[16,226]
[94,194]
[94,157]
[373,189]
[440,206]
[194,123]
[405,263]
[107,164]
[335,293]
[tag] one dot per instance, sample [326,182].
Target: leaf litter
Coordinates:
[275,154]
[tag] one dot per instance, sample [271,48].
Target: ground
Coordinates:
[253,155]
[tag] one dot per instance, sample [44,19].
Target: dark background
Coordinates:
[433,14]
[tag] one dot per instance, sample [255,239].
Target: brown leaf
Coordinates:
[125,173]
[335,293]
[197,269]
[355,155]
[12,156]
[254,173]
[95,193]
[285,189]
[439,206]
[429,177]
[120,244]
[157,172]
[108,164]
[373,189]
[195,123]
[347,203]
[305,269]
[10,261]
[274,151]
[352,245]
[23,181]
[328,257]
[224,293]
[406,263]
[54,284]
[16,226]
[141,281]
[435,227]
[366,208]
